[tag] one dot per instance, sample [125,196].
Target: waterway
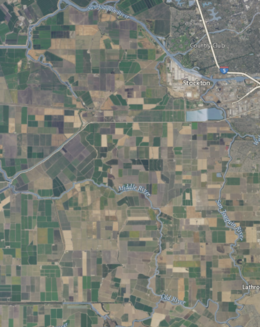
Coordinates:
[95,6]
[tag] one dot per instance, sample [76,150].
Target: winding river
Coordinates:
[95,6]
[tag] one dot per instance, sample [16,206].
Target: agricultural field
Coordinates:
[53,245]
[110,64]
[27,138]
[49,315]
[135,7]
[112,153]
[250,311]
[96,219]
[243,205]
[119,76]
[156,15]
[37,112]
[68,233]
[82,315]
[13,25]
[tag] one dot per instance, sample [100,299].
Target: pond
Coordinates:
[204,114]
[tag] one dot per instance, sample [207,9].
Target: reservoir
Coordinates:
[204,115]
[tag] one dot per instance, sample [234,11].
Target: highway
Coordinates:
[216,61]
